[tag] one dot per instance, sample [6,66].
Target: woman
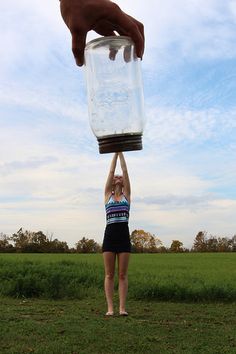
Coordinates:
[116,242]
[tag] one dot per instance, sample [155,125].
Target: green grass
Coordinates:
[194,277]
[177,304]
[80,327]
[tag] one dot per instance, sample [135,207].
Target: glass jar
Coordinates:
[115,93]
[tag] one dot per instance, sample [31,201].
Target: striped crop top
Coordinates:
[117,211]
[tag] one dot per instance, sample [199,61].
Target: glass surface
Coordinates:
[114,86]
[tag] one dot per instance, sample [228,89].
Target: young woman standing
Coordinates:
[116,242]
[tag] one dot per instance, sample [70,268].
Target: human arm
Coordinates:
[108,186]
[102,16]
[126,181]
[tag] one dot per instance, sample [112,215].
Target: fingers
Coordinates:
[104,27]
[138,39]
[132,28]
[119,22]
[141,31]
[78,45]
[112,53]
[79,39]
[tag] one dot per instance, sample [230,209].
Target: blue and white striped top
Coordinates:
[117,211]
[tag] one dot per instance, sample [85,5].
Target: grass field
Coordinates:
[80,327]
[175,277]
[177,303]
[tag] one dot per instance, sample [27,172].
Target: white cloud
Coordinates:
[57,189]
[30,32]
[52,176]
[194,29]
[42,99]
[64,193]
[183,223]
[169,126]
[171,201]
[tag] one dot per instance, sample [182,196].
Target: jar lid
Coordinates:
[120,142]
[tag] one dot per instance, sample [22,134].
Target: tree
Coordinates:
[232,242]
[39,238]
[21,239]
[176,246]
[57,246]
[3,241]
[162,249]
[142,241]
[224,244]
[5,246]
[38,242]
[212,244]
[86,245]
[200,242]
[28,241]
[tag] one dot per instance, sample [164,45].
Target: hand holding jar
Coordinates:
[102,16]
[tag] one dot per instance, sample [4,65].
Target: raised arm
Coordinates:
[108,186]
[126,181]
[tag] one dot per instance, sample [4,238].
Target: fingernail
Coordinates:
[79,62]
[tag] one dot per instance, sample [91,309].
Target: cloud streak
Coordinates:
[177,201]
[169,126]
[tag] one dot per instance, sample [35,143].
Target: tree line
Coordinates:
[141,241]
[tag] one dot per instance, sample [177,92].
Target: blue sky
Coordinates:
[183,181]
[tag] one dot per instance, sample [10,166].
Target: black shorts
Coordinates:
[116,238]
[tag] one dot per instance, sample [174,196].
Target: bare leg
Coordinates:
[109,264]
[123,262]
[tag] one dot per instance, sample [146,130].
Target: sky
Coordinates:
[51,174]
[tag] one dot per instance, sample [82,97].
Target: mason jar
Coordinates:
[115,93]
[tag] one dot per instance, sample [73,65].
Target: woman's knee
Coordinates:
[109,276]
[122,276]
